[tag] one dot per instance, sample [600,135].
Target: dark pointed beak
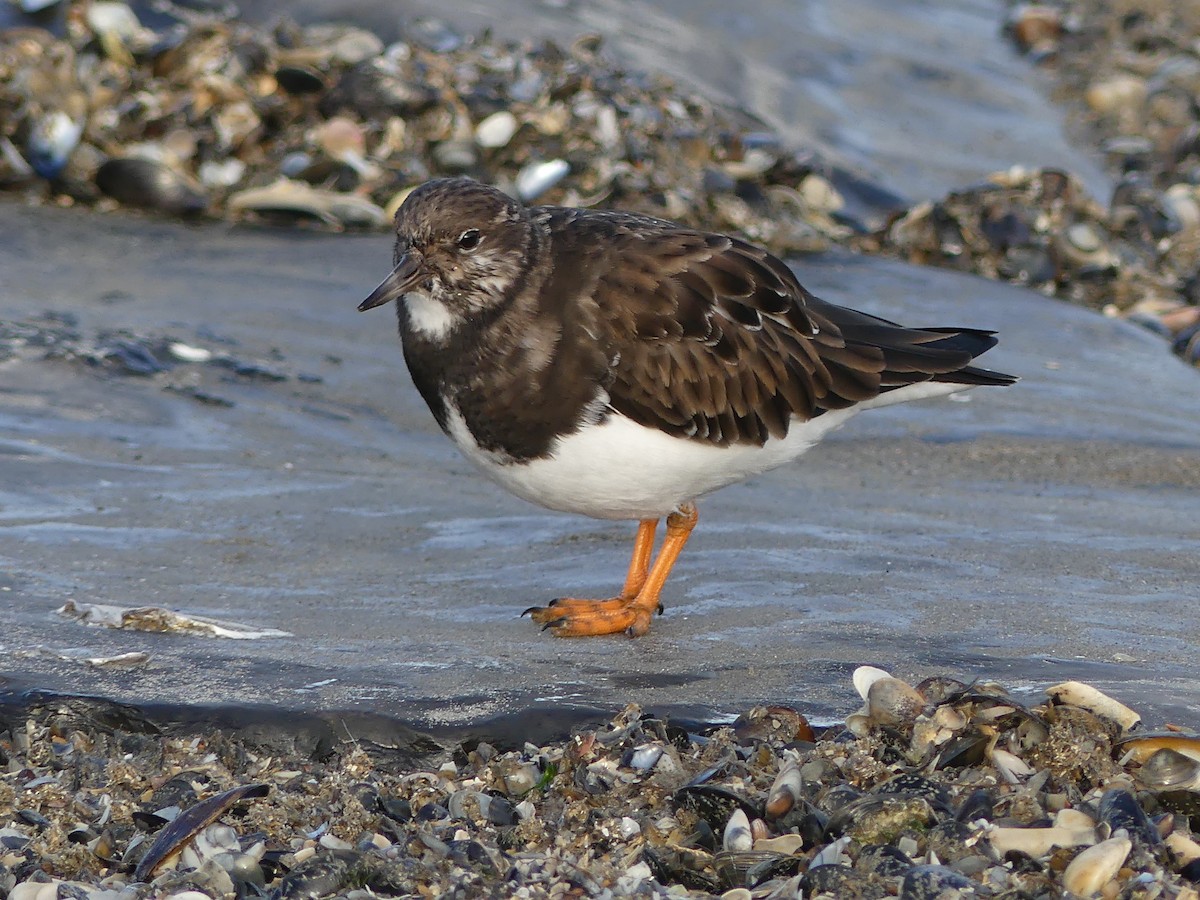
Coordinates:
[405,276]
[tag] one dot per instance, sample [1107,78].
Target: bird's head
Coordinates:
[461,246]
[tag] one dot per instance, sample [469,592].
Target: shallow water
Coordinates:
[1031,535]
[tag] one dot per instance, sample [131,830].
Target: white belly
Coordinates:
[623,470]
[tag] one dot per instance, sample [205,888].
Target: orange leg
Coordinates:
[639,599]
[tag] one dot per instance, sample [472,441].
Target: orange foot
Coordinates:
[571,617]
[638,602]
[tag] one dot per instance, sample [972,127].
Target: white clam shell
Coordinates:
[537,178]
[1076,693]
[1095,867]
[865,676]
[496,130]
[738,837]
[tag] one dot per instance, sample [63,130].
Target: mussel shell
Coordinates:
[833,878]
[321,875]
[714,804]
[1119,808]
[734,867]
[978,805]
[967,750]
[300,80]
[878,818]
[910,784]
[670,867]
[929,882]
[939,689]
[150,184]
[883,860]
[190,822]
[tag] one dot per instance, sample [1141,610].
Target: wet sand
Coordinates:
[1037,533]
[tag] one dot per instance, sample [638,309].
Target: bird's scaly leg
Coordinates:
[639,599]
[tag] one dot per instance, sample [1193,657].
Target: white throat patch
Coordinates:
[428,317]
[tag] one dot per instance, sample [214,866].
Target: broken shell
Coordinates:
[865,676]
[1036,28]
[1037,842]
[737,837]
[643,758]
[785,790]
[193,820]
[537,178]
[150,184]
[1186,849]
[1116,93]
[295,198]
[891,701]
[496,130]
[1075,693]
[1096,866]
[52,140]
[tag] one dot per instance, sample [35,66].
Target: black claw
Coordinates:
[660,609]
[529,612]
[549,625]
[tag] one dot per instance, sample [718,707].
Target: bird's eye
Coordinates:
[469,239]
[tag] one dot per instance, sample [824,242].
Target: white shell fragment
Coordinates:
[785,790]
[537,178]
[157,619]
[1037,842]
[496,130]
[1010,766]
[1075,693]
[188,353]
[865,676]
[738,837]
[332,208]
[1096,866]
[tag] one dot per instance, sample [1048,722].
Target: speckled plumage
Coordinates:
[620,366]
[699,335]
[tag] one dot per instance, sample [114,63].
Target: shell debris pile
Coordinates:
[189,112]
[1130,72]
[939,789]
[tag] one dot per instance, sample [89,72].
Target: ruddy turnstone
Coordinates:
[621,366]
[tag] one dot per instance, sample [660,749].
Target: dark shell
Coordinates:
[714,804]
[321,875]
[1120,809]
[977,805]
[883,860]
[300,80]
[968,749]
[834,879]
[935,883]
[670,867]
[150,184]
[910,784]
[190,822]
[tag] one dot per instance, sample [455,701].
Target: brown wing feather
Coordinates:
[716,340]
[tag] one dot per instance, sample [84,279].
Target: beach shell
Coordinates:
[1096,866]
